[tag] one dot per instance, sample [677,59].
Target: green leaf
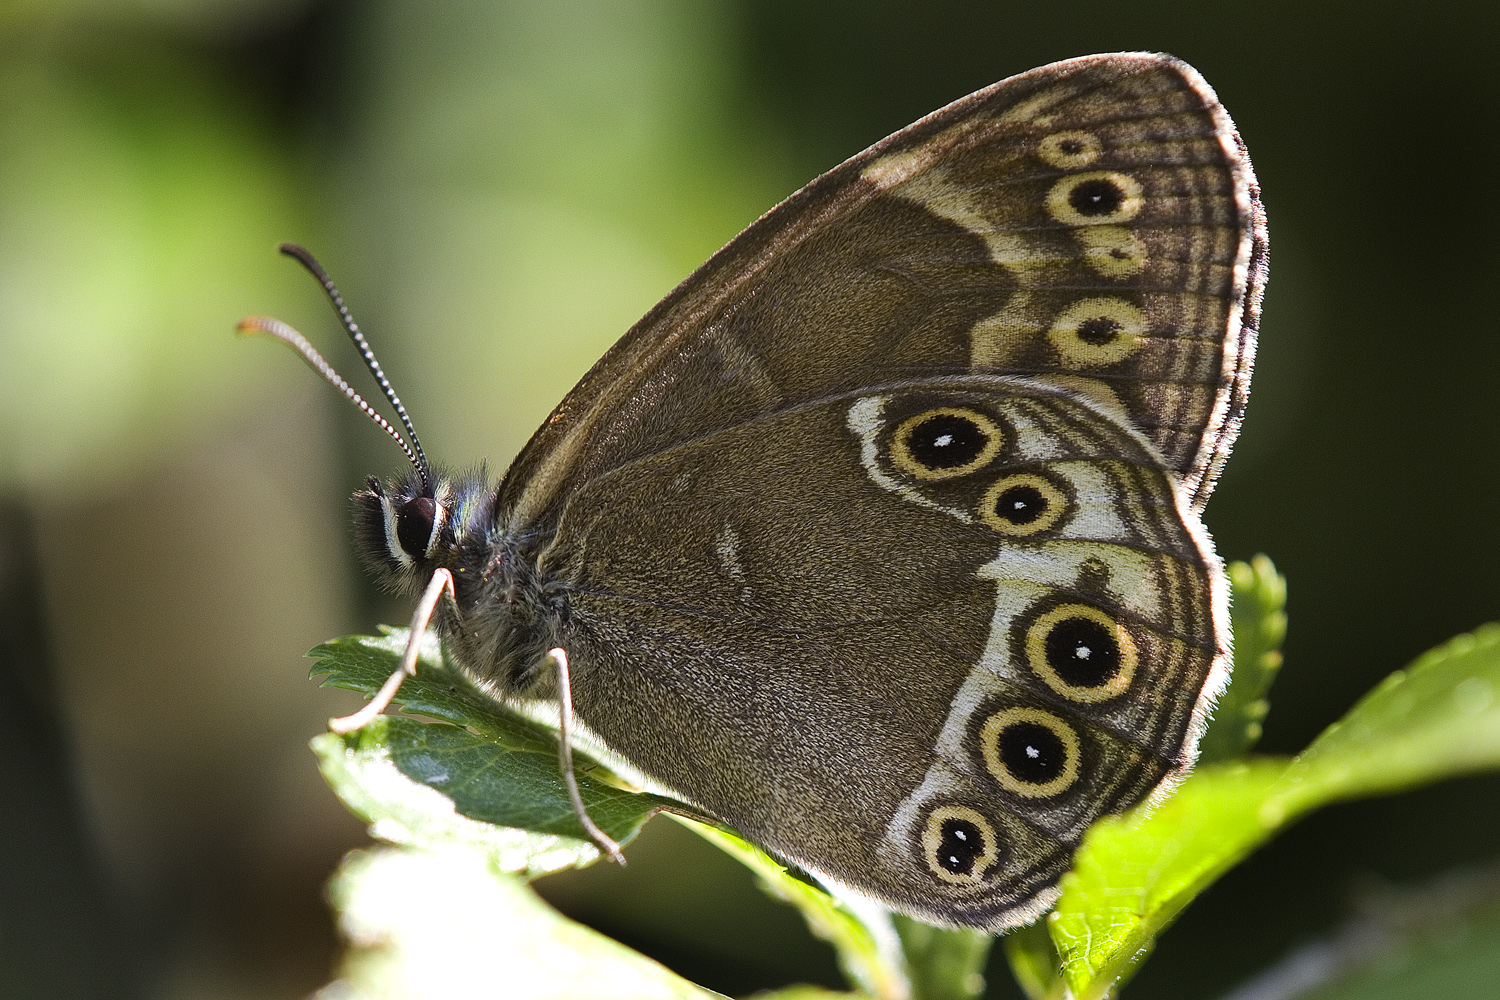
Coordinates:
[400,811]
[445,924]
[1135,873]
[1437,940]
[1258,602]
[865,944]
[363,662]
[944,963]
[1439,718]
[1034,962]
[425,784]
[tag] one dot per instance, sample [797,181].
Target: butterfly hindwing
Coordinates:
[868,600]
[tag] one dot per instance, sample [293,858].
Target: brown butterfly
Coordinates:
[878,538]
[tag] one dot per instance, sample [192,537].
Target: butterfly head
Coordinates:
[408,528]
[501,611]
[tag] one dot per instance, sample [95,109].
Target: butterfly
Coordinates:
[879,538]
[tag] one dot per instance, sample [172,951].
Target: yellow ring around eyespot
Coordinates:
[1113,251]
[932,839]
[907,462]
[989,743]
[1036,654]
[1057,505]
[1131,199]
[1053,154]
[1067,331]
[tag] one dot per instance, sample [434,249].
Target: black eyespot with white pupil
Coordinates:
[414,524]
[945,442]
[1083,652]
[961,844]
[1032,752]
[1099,197]
[1025,504]
[1096,196]
[1021,505]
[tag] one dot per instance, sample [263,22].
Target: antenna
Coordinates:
[287,335]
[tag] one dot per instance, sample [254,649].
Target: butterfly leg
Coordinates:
[559,658]
[441,581]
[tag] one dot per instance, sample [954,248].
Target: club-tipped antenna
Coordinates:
[307,260]
[287,335]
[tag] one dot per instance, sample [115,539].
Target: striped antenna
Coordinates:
[300,344]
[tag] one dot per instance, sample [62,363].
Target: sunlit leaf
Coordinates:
[425,784]
[1439,718]
[445,924]
[1135,874]
[1258,605]
[401,811]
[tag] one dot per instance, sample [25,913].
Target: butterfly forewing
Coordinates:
[1094,221]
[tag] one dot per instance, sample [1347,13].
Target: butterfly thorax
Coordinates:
[504,615]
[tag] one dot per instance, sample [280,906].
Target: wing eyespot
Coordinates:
[959,844]
[1100,331]
[1081,653]
[1113,251]
[1070,150]
[1023,504]
[945,442]
[1095,198]
[1031,753]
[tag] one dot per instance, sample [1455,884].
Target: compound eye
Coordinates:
[416,526]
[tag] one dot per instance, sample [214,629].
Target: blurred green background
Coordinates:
[501,189]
